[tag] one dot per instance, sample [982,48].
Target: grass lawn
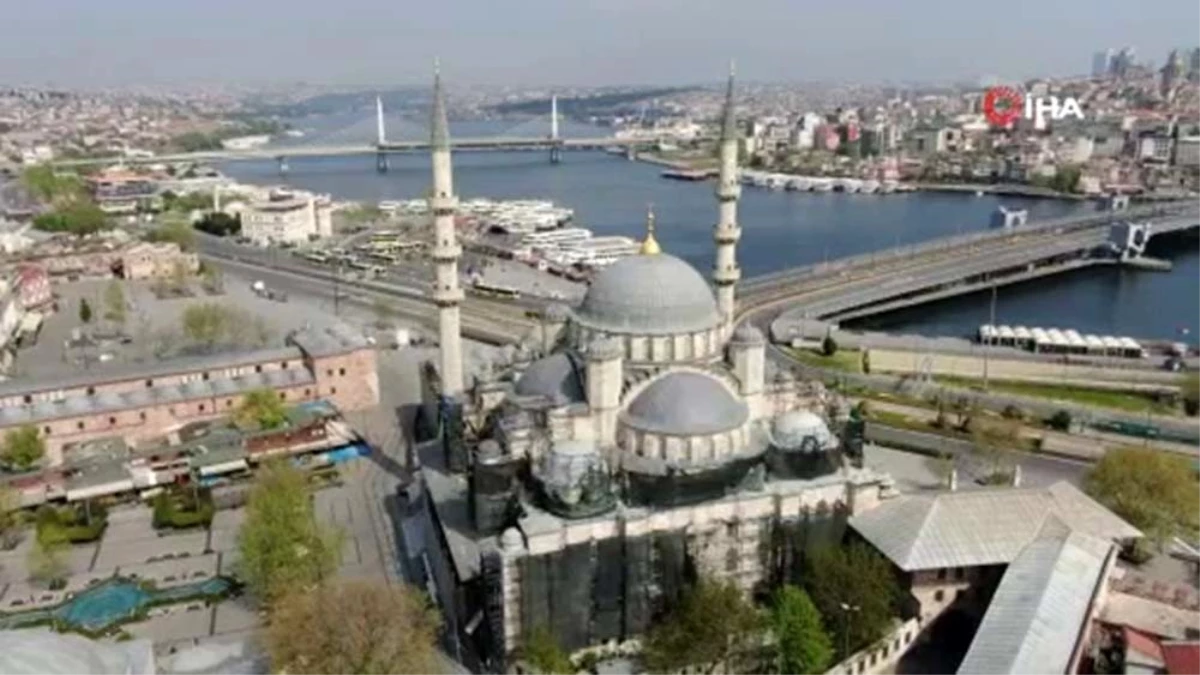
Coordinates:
[1101,398]
[846,361]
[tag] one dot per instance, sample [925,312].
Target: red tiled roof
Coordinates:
[1143,643]
[1181,658]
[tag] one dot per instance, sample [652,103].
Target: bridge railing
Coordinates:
[1066,223]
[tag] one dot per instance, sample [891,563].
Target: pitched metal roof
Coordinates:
[1032,624]
[979,527]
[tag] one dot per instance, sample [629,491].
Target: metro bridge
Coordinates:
[528,136]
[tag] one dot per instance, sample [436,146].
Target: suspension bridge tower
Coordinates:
[555,142]
[381,158]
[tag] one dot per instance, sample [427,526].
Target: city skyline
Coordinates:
[71,43]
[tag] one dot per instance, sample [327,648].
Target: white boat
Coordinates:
[822,185]
[870,187]
[889,186]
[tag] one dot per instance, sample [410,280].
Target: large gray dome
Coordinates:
[554,376]
[686,404]
[649,295]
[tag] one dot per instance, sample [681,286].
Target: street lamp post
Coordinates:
[846,609]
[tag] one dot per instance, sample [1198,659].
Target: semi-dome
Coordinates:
[793,431]
[649,295]
[686,404]
[555,376]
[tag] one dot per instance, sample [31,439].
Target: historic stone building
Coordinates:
[635,442]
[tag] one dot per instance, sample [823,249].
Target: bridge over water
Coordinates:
[885,281]
[375,138]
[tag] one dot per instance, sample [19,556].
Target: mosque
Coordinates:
[632,443]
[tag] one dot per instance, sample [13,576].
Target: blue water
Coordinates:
[780,229]
[112,602]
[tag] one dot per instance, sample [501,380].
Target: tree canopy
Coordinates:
[857,577]
[23,447]
[50,187]
[114,302]
[802,645]
[176,231]
[260,409]
[353,627]
[46,559]
[283,548]
[1155,491]
[713,624]
[77,217]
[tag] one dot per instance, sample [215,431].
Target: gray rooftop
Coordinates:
[83,404]
[686,403]
[328,340]
[649,295]
[137,371]
[553,376]
[979,527]
[1033,622]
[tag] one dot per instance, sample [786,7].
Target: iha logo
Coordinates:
[1004,105]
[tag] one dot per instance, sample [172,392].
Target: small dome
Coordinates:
[649,295]
[688,404]
[792,431]
[555,376]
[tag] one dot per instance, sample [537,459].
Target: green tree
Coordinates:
[1155,491]
[802,645]
[206,323]
[852,576]
[50,187]
[85,311]
[23,447]
[353,627]
[77,217]
[10,505]
[47,562]
[1191,394]
[993,442]
[260,409]
[829,346]
[713,626]
[114,303]
[174,230]
[219,224]
[542,654]
[1060,421]
[282,547]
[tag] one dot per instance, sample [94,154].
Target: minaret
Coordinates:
[650,244]
[446,251]
[726,234]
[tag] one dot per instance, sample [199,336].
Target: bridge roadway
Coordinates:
[1003,261]
[496,143]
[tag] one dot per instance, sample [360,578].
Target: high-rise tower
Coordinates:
[726,234]
[446,251]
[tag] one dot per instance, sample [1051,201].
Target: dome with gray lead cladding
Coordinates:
[800,430]
[556,377]
[686,404]
[649,295]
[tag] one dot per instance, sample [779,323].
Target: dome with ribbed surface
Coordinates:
[649,295]
[687,404]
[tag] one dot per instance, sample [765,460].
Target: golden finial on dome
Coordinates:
[650,244]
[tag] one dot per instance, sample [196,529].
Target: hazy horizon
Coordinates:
[83,43]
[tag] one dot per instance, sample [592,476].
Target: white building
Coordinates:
[287,217]
[1154,148]
[1187,151]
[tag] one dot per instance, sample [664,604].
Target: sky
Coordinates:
[100,43]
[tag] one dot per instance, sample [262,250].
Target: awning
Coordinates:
[224,467]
